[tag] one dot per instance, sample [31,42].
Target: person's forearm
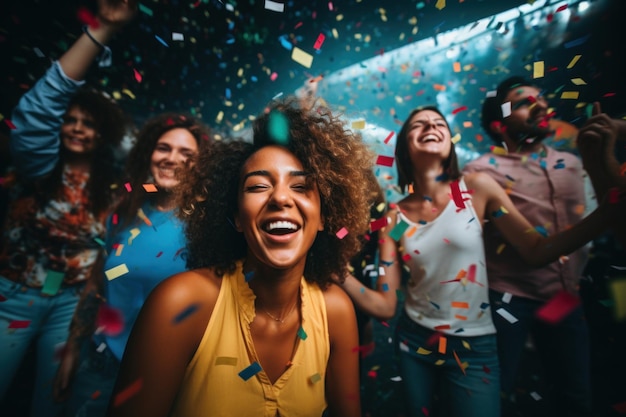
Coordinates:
[377,304]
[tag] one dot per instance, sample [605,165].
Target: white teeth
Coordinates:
[429,138]
[281,225]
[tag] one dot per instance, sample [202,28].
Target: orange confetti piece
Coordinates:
[150,188]
[443,343]
[458,361]
[460,304]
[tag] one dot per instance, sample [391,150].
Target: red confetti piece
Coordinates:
[110,320]
[319,41]
[10,124]
[138,76]
[115,218]
[384,160]
[159,254]
[85,16]
[128,187]
[456,195]
[425,411]
[19,324]
[127,393]
[459,109]
[486,369]
[378,224]
[558,307]
[563,7]
[389,136]
[298,25]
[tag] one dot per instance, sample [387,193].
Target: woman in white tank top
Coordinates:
[445,332]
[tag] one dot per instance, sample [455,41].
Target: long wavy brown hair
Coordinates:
[340,163]
[137,172]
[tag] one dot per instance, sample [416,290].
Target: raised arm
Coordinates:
[37,116]
[534,248]
[381,302]
[596,144]
[342,374]
[160,347]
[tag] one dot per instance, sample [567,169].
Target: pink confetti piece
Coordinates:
[389,136]
[459,109]
[273,76]
[342,233]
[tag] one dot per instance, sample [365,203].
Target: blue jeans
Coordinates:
[563,350]
[473,394]
[92,386]
[49,318]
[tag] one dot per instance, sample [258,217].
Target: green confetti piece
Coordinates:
[144,9]
[302,334]
[278,127]
[53,282]
[399,229]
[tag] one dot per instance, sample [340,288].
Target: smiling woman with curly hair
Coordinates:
[258,314]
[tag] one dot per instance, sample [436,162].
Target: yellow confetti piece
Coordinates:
[422,351]
[441,4]
[226,360]
[456,138]
[116,272]
[128,93]
[133,234]
[499,150]
[358,124]
[618,292]
[570,95]
[440,362]
[500,248]
[538,69]
[466,345]
[118,250]
[573,61]
[578,81]
[301,57]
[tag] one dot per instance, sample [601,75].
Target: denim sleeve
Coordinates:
[37,118]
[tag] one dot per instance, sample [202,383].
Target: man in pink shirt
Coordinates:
[547,186]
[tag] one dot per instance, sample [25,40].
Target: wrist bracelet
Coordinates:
[104,59]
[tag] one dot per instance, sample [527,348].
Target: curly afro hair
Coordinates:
[340,163]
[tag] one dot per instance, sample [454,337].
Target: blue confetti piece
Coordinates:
[285,43]
[576,42]
[459,330]
[510,178]
[436,305]
[442,177]
[422,222]
[542,231]
[250,371]
[249,275]
[302,334]
[560,165]
[484,305]
[186,313]
[162,41]
[543,164]
[385,287]
[227,93]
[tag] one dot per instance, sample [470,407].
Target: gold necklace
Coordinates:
[277,319]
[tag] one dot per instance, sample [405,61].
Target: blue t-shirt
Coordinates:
[150,253]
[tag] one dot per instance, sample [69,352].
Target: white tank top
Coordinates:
[447,290]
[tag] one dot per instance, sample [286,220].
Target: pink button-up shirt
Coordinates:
[549,190]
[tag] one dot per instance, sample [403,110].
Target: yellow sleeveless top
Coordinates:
[225,377]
